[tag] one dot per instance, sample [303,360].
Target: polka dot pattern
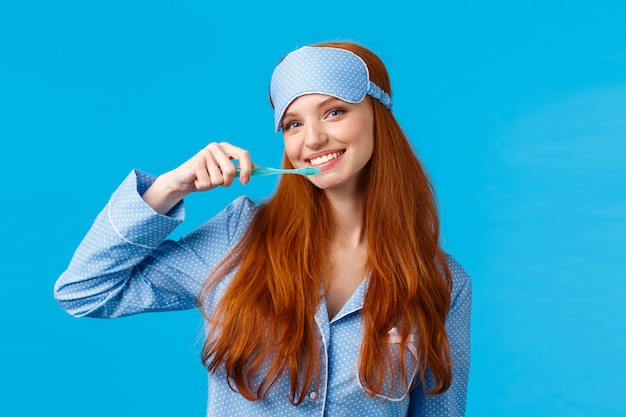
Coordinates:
[452,402]
[125,265]
[332,71]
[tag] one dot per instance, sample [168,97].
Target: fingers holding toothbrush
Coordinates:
[210,168]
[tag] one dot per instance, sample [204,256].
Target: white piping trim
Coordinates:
[347,313]
[120,235]
[326,355]
[395,338]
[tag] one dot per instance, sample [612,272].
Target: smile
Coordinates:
[325,158]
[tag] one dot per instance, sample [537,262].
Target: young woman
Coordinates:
[334,297]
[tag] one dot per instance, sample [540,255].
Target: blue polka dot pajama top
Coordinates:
[125,265]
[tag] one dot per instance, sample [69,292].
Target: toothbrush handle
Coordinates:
[275,171]
[261,171]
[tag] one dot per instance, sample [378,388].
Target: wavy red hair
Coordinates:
[263,327]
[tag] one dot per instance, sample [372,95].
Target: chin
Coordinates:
[327,185]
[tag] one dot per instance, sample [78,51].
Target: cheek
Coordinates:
[371,147]
[291,151]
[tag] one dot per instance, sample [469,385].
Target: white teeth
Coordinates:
[325,158]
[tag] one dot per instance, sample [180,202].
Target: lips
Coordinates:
[325,158]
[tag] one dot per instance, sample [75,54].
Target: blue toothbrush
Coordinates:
[277,171]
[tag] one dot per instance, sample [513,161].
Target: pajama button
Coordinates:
[313,395]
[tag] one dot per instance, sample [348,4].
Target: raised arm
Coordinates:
[125,265]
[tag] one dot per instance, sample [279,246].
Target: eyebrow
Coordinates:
[320,104]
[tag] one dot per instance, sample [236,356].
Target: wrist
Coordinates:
[163,194]
[169,188]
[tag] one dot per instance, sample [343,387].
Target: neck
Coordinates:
[348,219]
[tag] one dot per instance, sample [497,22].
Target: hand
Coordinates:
[210,168]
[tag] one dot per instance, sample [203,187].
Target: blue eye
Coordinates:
[335,112]
[291,125]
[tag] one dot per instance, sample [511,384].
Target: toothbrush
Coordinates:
[277,171]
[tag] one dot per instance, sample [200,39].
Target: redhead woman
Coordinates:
[332,298]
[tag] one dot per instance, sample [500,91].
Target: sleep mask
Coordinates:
[322,70]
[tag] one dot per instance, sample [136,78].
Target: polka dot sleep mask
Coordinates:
[322,70]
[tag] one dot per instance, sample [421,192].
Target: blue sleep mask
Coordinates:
[322,70]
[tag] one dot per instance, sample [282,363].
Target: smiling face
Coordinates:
[331,134]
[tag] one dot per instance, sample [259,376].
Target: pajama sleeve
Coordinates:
[125,264]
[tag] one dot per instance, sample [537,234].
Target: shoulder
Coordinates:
[227,227]
[241,211]
[461,281]
[242,206]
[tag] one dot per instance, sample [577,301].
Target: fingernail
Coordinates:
[244,180]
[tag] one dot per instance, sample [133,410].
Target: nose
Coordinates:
[315,135]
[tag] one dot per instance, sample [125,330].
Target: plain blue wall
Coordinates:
[517,108]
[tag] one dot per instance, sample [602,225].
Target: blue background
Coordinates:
[517,108]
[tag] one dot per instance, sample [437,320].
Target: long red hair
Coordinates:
[263,326]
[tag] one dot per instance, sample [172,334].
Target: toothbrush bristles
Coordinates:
[311,170]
